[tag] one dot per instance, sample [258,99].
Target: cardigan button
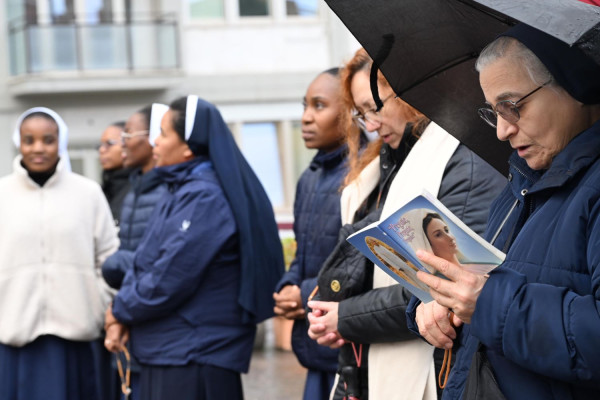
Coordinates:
[335,285]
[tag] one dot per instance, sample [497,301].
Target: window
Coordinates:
[207,9]
[253,8]
[98,11]
[302,155]
[62,11]
[19,10]
[84,161]
[260,147]
[233,10]
[303,8]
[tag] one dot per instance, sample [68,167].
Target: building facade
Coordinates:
[98,61]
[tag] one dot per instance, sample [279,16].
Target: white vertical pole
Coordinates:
[278,10]
[232,11]
[286,154]
[43,12]
[118,10]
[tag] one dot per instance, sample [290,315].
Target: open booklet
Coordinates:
[423,224]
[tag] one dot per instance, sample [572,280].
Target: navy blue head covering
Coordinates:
[578,74]
[260,247]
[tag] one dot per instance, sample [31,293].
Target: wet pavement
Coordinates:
[274,374]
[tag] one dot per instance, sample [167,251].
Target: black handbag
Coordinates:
[481,382]
[346,272]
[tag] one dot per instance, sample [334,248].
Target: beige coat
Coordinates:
[402,370]
[53,241]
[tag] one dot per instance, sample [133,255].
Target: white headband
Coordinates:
[190,115]
[63,133]
[156,115]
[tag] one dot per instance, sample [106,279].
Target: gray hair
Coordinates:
[508,47]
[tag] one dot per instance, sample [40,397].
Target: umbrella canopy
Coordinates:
[427,50]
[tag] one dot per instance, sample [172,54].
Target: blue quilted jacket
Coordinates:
[146,190]
[538,314]
[317,222]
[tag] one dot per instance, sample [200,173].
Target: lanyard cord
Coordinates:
[447,361]
[125,377]
[357,355]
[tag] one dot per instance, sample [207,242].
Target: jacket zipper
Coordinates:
[383,185]
[512,208]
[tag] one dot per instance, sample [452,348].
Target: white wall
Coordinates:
[252,70]
[249,49]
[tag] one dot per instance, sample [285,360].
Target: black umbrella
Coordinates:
[427,50]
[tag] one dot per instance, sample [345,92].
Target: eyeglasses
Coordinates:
[507,109]
[371,115]
[107,144]
[126,136]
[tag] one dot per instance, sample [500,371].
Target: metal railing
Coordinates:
[151,44]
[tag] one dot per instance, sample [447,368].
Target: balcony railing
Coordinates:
[134,46]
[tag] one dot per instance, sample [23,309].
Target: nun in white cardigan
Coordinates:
[55,233]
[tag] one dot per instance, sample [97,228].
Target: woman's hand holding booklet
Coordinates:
[445,244]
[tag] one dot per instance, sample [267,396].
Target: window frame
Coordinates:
[277,14]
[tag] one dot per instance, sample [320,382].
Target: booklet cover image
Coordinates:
[423,224]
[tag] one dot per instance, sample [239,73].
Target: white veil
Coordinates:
[63,133]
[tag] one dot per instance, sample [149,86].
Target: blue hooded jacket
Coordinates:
[317,221]
[180,299]
[146,191]
[262,255]
[538,313]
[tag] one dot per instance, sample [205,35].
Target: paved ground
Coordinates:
[274,374]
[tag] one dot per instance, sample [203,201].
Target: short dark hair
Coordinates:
[179,107]
[335,71]
[146,112]
[118,124]
[41,114]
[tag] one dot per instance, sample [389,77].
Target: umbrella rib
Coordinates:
[489,11]
[440,70]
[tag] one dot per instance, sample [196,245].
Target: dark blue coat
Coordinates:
[181,297]
[538,314]
[146,191]
[317,221]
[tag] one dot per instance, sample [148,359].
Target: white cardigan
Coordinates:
[402,370]
[53,241]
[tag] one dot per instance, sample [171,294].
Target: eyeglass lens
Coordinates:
[108,144]
[507,110]
[126,135]
[372,115]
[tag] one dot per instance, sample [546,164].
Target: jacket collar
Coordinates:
[145,182]
[115,179]
[392,159]
[329,160]
[579,154]
[178,173]
[23,174]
